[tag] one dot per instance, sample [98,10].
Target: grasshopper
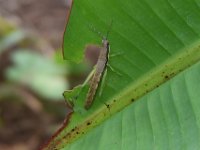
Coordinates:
[102,62]
[100,67]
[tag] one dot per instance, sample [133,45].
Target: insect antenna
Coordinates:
[109,29]
[93,29]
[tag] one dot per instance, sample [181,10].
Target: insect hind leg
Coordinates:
[113,70]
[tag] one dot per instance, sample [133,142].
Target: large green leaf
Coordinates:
[157,40]
[166,119]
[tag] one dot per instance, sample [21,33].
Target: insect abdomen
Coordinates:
[92,90]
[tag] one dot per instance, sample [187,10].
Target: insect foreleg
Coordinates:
[116,54]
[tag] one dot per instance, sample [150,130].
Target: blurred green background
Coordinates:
[33,74]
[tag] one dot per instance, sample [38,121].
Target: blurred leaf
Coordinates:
[9,35]
[11,39]
[41,74]
[5,28]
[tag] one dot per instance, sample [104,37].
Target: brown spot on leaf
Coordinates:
[166,77]
[89,123]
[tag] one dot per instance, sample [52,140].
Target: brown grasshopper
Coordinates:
[100,67]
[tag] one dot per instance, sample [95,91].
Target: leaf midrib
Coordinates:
[171,67]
